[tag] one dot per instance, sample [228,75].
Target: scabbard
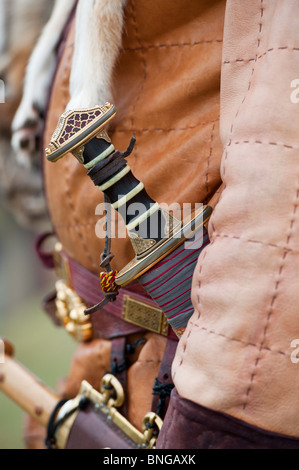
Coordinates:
[91,430]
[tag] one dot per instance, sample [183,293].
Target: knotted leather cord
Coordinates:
[106,258]
[116,368]
[130,349]
[111,165]
[163,390]
[107,255]
[52,427]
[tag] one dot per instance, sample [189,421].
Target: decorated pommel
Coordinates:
[153,231]
[76,128]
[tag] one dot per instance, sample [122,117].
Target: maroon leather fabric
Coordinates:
[191,426]
[92,431]
[107,322]
[119,365]
[161,399]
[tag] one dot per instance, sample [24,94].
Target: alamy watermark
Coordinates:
[160,223]
[2,352]
[295,353]
[295,93]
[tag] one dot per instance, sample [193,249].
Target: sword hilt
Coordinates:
[154,232]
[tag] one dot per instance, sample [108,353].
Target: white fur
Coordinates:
[38,78]
[21,191]
[3,23]
[99,25]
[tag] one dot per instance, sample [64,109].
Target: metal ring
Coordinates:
[110,380]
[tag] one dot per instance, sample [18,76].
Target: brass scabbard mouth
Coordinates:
[140,264]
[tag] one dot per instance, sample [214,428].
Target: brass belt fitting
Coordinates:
[70,311]
[112,397]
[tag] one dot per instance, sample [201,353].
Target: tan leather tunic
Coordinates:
[236,354]
[166,86]
[239,353]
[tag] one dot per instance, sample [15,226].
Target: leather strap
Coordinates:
[88,287]
[163,383]
[107,323]
[118,364]
[92,431]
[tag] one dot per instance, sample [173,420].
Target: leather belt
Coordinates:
[133,310]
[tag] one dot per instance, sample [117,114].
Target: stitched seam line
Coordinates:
[287,146]
[209,157]
[236,116]
[171,129]
[144,65]
[177,44]
[272,49]
[260,29]
[235,237]
[225,155]
[237,340]
[248,88]
[79,224]
[274,296]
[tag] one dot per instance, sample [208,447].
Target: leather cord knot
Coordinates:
[99,174]
[163,390]
[110,165]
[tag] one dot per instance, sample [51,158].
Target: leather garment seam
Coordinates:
[79,224]
[186,338]
[238,340]
[177,44]
[143,81]
[236,237]
[170,129]
[280,144]
[272,49]
[275,292]
[210,157]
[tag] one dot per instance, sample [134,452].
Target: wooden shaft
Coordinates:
[26,390]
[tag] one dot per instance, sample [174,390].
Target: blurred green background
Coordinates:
[43,348]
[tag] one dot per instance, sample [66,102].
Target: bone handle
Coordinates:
[25,389]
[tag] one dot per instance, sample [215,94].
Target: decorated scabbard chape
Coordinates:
[157,236]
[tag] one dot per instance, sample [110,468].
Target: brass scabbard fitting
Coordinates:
[106,402]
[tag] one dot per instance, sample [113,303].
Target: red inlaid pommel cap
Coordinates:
[77,127]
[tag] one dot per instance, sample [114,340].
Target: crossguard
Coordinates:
[83,134]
